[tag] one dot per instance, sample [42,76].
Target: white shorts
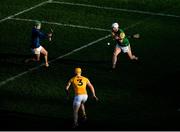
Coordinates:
[78,99]
[37,51]
[125,49]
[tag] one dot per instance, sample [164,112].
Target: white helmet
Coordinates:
[115,25]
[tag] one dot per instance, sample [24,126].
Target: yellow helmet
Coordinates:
[78,70]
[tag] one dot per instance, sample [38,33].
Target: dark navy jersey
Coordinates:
[36,37]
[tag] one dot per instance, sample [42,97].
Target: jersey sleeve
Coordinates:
[87,80]
[42,35]
[71,80]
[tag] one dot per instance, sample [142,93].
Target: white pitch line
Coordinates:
[62,56]
[69,53]
[61,24]
[117,9]
[82,47]
[26,10]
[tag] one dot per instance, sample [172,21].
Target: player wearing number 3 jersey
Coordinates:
[79,84]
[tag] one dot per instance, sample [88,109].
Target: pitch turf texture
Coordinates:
[136,96]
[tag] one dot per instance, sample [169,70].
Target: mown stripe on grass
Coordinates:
[117,9]
[61,24]
[69,53]
[26,10]
[62,56]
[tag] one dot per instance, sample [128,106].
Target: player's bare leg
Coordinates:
[45,53]
[75,109]
[82,107]
[38,57]
[114,58]
[29,59]
[131,56]
[34,58]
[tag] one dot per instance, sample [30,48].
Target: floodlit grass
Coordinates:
[134,92]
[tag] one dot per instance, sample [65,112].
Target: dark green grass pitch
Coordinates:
[136,96]
[9,7]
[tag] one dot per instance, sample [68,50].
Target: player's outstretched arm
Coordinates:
[92,90]
[67,88]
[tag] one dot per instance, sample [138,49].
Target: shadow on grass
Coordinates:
[12,58]
[11,120]
[165,87]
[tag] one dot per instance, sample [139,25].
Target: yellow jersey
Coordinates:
[79,84]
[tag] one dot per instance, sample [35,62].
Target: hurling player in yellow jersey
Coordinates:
[79,84]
